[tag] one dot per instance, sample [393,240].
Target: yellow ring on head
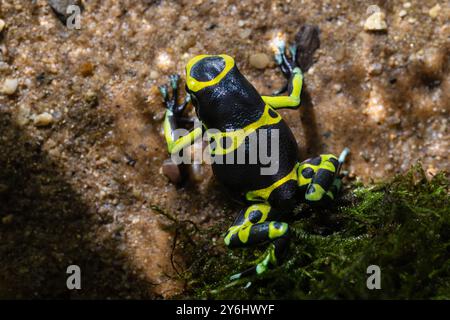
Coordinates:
[195,85]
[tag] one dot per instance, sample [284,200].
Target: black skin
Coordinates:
[232,104]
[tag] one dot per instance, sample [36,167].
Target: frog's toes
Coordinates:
[293,50]
[263,266]
[280,48]
[164,92]
[278,59]
[236,276]
[344,155]
[173,80]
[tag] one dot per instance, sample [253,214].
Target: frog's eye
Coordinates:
[207,69]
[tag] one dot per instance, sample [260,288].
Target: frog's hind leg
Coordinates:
[294,76]
[256,225]
[319,177]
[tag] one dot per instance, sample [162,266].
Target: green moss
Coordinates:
[402,226]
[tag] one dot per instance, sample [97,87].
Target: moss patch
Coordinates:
[402,226]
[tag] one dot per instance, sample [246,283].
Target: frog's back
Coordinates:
[282,151]
[246,127]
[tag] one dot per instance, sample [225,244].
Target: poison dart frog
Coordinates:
[226,101]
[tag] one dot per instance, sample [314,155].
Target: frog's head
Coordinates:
[219,92]
[205,71]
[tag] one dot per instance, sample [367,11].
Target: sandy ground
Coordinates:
[80,190]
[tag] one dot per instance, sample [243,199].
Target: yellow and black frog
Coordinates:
[237,121]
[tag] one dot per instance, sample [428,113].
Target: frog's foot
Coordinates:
[253,226]
[288,65]
[267,262]
[171,102]
[320,177]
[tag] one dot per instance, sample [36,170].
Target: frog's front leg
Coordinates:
[293,74]
[257,224]
[173,115]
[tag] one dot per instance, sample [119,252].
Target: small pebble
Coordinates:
[154,75]
[376,22]
[259,60]
[407,5]
[23,115]
[87,69]
[434,61]
[402,13]
[188,42]
[91,98]
[375,69]
[43,119]
[3,66]
[337,87]
[2,25]
[245,33]
[171,171]
[434,12]
[9,86]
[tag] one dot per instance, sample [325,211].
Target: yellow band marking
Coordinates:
[174,146]
[195,85]
[238,136]
[264,194]
[293,100]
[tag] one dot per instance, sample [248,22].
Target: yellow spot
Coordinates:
[277,232]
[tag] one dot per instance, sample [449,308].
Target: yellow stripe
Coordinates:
[264,194]
[293,100]
[244,234]
[182,142]
[238,136]
[195,85]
